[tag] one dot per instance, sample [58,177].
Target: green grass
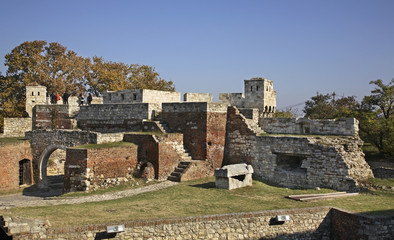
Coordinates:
[106,145]
[4,141]
[302,135]
[388,182]
[199,197]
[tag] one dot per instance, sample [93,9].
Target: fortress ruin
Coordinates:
[182,140]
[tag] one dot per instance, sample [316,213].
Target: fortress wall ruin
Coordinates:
[16,127]
[54,116]
[11,155]
[116,117]
[233,99]
[340,127]
[202,125]
[87,169]
[197,97]
[296,161]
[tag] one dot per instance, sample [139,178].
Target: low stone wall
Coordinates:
[340,127]
[10,156]
[16,127]
[310,223]
[197,97]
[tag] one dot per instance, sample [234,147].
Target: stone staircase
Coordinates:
[183,164]
[163,126]
[176,175]
[254,126]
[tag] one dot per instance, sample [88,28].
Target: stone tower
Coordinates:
[260,93]
[35,94]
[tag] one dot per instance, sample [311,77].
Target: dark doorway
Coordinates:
[24,172]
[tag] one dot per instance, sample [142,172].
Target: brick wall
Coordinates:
[94,168]
[10,155]
[16,127]
[54,117]
[158,150]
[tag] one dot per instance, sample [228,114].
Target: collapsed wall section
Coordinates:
[296,161]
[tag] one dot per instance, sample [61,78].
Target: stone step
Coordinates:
[173,179]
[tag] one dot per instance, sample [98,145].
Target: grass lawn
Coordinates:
[199,197]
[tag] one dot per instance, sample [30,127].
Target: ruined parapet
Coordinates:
[232,99]
[54,116]
[197,97]
[305,126]
[234,176]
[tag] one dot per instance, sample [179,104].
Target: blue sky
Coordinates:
[212,46]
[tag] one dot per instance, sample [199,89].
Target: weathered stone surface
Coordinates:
[234,176]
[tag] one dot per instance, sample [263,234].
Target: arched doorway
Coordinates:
[53,152]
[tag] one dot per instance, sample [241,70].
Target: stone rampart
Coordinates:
[197,97]
[186,107]
[116,117]
[296,161]
[16,127]
[340,127]
[87,169]
[232,99]
[12,155]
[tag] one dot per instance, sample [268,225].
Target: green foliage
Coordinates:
[288,113]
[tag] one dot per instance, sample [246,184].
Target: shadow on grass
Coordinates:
[207,185]
[389,212]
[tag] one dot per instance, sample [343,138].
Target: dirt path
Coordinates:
[19,200]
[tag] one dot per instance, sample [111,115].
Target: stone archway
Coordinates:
[43,163]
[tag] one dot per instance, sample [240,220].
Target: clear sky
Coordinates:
[304,46]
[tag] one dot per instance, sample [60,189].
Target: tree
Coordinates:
[376,117]
[60,70]
[288,113]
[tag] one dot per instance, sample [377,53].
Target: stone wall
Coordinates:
[340,127]
[140,96]
[54,116]
[349,226]
[295,161]
[87,169]
[116,117]
[16,127]
[232,99]
[10,156]
[197,97]
[310,223]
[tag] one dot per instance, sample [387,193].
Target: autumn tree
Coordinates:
[59,69]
